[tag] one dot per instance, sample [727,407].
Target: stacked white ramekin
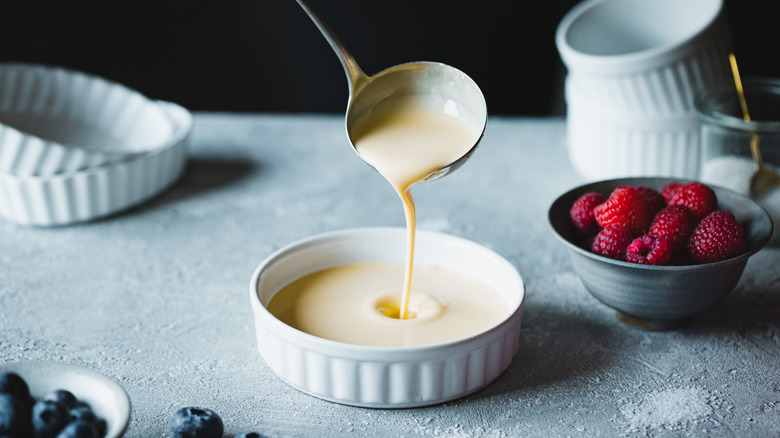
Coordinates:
[75,147]
[634,67]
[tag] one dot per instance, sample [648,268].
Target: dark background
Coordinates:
[266,55]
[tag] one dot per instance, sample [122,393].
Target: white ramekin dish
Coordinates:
[54,120]
[385,377]
[106,398]
[96,192]
[607,143]
[648,56]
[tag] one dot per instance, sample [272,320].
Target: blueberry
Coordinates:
[79,429]
[85,413]
[14,416]
[250,435]
[14,384]
[191,422]
[48,418]
[63,397]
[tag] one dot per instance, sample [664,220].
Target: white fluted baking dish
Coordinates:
[645,56]
[386,377]
[99,191]
[604,142]
[55,120]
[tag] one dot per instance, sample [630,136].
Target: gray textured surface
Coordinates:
[157,298]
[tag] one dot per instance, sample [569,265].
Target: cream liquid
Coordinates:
[351,304]
[406,144]
[360,303]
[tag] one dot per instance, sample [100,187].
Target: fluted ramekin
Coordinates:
[607,143]
[385,377]
[55,120]
[100,191]
[645,56]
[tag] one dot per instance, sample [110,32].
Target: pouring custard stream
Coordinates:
[405,142]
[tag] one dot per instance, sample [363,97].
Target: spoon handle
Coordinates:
[745,114]
[354,74]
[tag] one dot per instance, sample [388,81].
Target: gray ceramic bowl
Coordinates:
[659,297]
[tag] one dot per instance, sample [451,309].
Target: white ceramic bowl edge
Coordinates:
[107,399]
[54,120]
[96,192]
[633,36]
[653,66]
[385,377]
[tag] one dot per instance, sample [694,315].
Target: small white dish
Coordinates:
[96,192]
[605,142]
[386,377]
[649,57]
[54,120]
[107,399]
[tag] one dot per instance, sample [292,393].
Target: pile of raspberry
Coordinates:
[681,225]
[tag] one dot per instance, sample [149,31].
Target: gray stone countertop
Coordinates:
[157,297]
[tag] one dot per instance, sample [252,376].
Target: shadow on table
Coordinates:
[201,174]
[204,174]
[744,310]
[555,345]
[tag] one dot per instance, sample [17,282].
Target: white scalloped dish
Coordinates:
[386,377]
[54,120]
[100,191]
[76,147]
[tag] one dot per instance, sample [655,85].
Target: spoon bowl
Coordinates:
[433,86]
[763,179]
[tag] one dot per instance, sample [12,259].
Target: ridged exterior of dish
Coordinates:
[100,191]
[39,97]
[27,155]
[655,81]
[632,114]
[378,379]
[386,377]
[603,143]
[599,149]
[663,90]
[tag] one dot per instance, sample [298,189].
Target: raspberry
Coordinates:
[649,250]
[612,242]
[717,237]
[653,200]
[625,208]
[669,190]
[675,222]
[698,197]
[582,212]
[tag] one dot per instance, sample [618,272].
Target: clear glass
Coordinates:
[725,138]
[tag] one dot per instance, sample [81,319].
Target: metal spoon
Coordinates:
[443,87]
[763,179]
